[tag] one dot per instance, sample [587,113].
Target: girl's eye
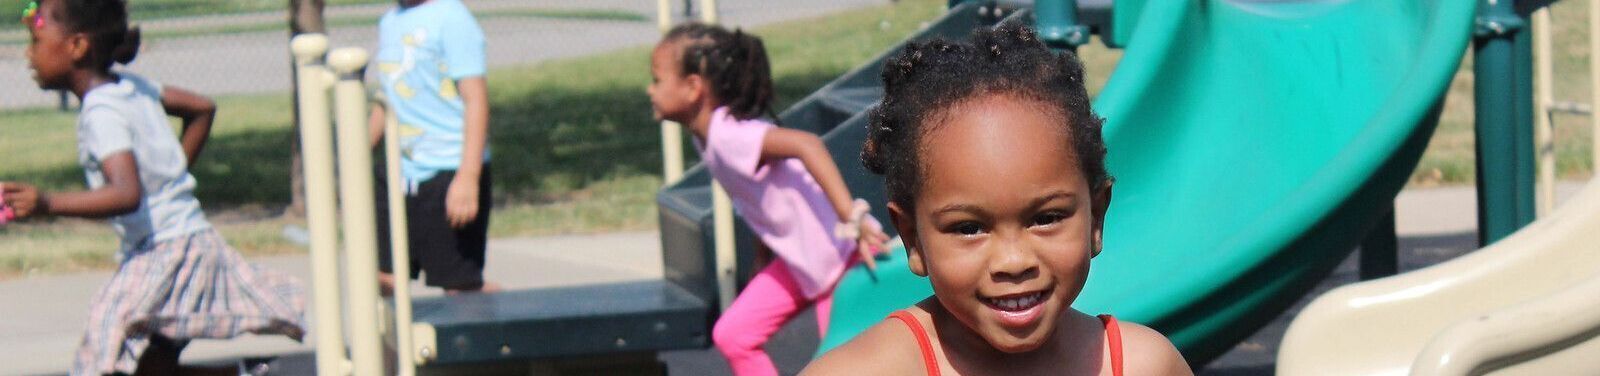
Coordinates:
[967,228]
[1048,218]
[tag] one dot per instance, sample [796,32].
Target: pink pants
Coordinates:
[771,299]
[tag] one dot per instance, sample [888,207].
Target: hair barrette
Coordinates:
[31,16]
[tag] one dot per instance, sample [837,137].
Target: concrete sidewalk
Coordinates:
[43,317]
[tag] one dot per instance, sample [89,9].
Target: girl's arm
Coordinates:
[197,113]
[780,143]
[377,122]
[119,196]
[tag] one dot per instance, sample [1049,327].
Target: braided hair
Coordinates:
[106,23]
[928,78]
[733,62]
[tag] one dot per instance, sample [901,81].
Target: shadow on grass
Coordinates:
[546,145]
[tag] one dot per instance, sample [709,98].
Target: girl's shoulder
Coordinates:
[1147,352]
[887,348]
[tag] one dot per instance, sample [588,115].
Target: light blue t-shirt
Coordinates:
[422,52]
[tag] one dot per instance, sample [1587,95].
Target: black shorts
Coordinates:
[453,258]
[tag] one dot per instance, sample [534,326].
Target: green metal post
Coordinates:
[1380,250]
[1058,23]
[1502,71]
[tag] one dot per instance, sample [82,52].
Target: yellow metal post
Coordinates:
[722,231]
[1594,82]
[671,132]
[722,209]
[672,156]
[399,246]
[1543,125]
[316,148]
[708,12]
[671,152]
[664,14]
[356,195]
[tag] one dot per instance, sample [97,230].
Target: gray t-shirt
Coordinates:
[126,116]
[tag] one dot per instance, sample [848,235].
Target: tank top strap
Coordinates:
[929,361]
[1114,342]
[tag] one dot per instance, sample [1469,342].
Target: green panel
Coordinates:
[1254,144]
[1124,20]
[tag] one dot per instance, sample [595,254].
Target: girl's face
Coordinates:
[1005,221]
[52,49]
[672,94]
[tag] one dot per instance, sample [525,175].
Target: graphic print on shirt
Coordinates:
[395,73]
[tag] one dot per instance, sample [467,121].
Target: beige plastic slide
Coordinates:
[1527,305]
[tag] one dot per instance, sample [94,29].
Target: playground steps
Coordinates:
[630,317]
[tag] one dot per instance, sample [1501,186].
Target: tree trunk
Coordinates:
[305,16]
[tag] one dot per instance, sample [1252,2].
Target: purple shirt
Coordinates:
[780,201]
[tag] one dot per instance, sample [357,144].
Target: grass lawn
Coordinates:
[575,149]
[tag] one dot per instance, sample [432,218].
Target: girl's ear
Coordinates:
[697,86]
[906,223]
[78,46]
[1102,203]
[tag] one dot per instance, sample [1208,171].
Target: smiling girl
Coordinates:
[997,182]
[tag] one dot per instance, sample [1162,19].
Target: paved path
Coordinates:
[43,316]
[258,62]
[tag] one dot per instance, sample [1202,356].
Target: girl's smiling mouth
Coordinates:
[1018,310]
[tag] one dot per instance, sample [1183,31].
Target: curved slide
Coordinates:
[1254,144]
[1528,304]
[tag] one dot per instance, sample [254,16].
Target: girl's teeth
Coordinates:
[1013,304]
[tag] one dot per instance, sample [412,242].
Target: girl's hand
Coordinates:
[868,235]
[871,243]
[461,201]
[23,199]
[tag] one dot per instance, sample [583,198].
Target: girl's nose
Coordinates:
[1012,260]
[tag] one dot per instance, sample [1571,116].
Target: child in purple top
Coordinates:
[783,181]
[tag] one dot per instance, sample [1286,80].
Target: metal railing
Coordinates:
[1548,106]
[672,171]
[345,128]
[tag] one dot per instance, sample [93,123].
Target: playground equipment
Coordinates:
[1525,305]
[1241,232]
[625,323]
[1206,240]
[360,299]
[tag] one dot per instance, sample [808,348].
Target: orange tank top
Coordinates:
[931,363]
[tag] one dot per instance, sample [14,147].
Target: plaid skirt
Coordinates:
[191,287]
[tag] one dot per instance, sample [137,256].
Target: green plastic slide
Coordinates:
[1254,143]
